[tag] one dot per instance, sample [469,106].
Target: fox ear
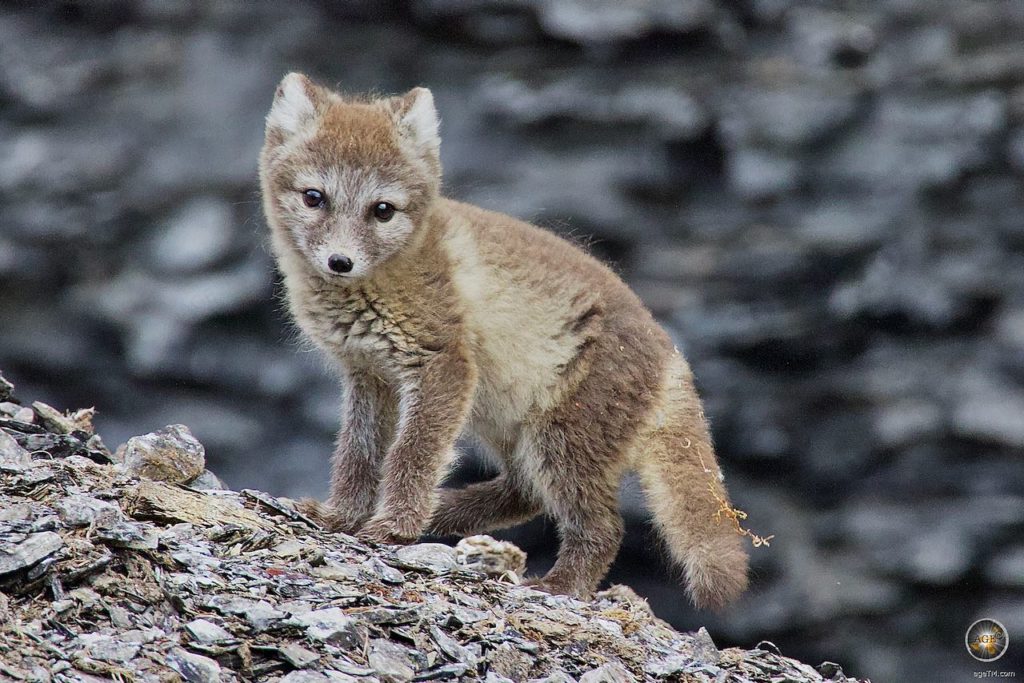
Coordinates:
[294,104]
[416,118]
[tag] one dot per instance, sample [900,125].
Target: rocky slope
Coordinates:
[138,566]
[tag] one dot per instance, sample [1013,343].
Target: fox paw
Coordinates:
[325,516]
[557,586]
[385,532]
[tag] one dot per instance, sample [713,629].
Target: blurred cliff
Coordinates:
[825,206]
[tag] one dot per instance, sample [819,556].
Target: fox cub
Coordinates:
[444,318]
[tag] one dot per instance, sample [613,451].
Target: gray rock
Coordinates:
[52,419]
[390,661]
[305,677]
[554,677]
[157,315]
[914,141]
[612,672]
[331,625]
[446,672]
[207,632]
[493,677]
[786,117]
[704,648]
[108,648]
[198,236]
[192,667]
[83,510]
[433,557]
[171,454]
[1006,567]
[604,21]
[907,422]
[134,535]
[669,666]
[6,389]
[13,458]
[451,647]
[994,416]
[260,614]
[509,661]
[669,110]
[377,569]
[757,174]
[24,553]
[207,481]
[297,656]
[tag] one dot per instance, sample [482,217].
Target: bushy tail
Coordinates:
[701,541]
[683,483]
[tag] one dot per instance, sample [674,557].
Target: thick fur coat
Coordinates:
[446,319]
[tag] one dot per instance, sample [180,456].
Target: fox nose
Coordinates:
[339,263]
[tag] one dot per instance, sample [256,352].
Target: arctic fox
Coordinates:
[446,319]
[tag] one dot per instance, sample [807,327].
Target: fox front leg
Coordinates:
[433,406]
[369,414]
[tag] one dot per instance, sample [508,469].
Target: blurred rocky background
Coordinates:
[822,200]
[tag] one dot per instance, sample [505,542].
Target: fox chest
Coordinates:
[355,329]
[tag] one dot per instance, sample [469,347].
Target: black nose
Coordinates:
[339,264]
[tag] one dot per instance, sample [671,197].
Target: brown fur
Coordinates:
[466,321]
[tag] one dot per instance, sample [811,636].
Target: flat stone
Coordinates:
[391,661]
[554,677]
[82,510]
[493,677]
[331,625]
[374,568]
[509,661]
[192,667]
[13,458]
[134,535]
[19,512]
[297,656]
[54,420]
[108,648]
[207,481]
[259,613]
[436,558]
[35,547]
[612,672]
[205,631]
[305,677]
[451,647]
[668,666]
[171,454]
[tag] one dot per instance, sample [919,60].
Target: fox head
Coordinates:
[347,183]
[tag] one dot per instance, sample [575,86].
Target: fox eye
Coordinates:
[314,199]
[383,211]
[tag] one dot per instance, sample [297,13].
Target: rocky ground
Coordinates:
[138,565]
[822,201]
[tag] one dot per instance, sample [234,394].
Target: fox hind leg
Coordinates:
[478,508]
[583,499]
